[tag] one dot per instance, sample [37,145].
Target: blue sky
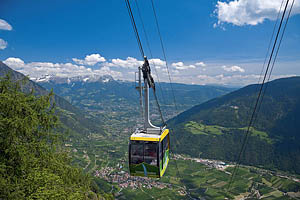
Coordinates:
[207,42]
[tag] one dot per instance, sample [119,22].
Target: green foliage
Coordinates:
[77,122]
[216,128]
[32,166]
[199,128]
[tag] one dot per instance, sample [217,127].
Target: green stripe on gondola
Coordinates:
[164,163]
[138,170]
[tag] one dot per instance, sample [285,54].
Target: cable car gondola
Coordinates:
[148,147]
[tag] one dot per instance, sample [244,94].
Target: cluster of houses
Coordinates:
[124,180]
[220,165]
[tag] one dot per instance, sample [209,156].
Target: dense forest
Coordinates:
[218,127]
[33,164]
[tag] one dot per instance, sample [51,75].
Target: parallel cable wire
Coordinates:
[164,53]
[141,48]
[159,109]
[151,55]
[142,52]
[169,75]
[263,67]
[134,28]
[265,60]
[281,38]
[270,42]
[149,49]
[267,83]
[257,100]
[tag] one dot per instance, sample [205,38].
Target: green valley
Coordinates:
[202,129]
[200,168]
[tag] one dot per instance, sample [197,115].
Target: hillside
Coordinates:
[218,126]
[74,120]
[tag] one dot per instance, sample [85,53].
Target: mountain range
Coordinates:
[218,126]
[93,103]
[120,100]
[57,79]
[212,122]
[74,120]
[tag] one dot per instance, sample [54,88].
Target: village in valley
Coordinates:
[123,179]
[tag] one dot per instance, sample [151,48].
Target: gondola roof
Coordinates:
[149,137]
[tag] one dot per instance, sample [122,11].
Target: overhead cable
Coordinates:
[134,28]
[257,100]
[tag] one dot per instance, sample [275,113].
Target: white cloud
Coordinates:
[90,60]
[133,63]
[164,70]
[175,72]
[40,69]
[3,44]
[201,64]
[129,63]
[182,66]
[233,80]
[250,12]
[180,71]
[14,63]
[4,25]
[158,63]
[107,71]
[221,79]
[233,69]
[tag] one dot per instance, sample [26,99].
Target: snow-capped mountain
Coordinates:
[69,80]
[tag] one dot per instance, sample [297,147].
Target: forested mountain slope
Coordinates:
[216,128]
[74,120]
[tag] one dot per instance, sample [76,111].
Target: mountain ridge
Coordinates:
[120,99]
[74,120]
[60,80]
[219,126]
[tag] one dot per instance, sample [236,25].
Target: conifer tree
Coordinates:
[31,165]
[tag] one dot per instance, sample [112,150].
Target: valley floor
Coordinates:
[186,177]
